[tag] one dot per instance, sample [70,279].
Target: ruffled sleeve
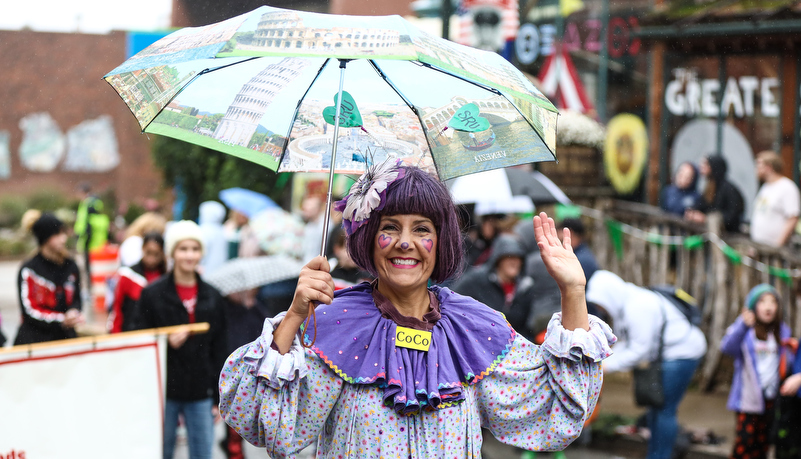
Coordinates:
[277,401]
[539,397]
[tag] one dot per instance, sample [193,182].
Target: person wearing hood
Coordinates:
[49,284]
[682,194]
[211,217]
[719,195]
[759,342]
[638,315]
[501,283]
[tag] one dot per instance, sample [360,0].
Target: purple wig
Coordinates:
[419,193]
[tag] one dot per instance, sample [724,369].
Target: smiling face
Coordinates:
[766,308]
[405,252]
[187,255]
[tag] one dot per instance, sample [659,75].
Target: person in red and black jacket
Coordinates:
[194,362]
[132,280]
[49,285]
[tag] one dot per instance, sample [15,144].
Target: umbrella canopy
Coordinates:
[515,205]
[269,86]
[246,201]
[278,232]
[504,184]
[243,274]
[536,186]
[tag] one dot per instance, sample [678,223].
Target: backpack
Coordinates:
[683,301]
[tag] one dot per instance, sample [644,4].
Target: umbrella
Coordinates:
[504,184]
[515,205]
[243,274]
[535,185]
[278,232]
[271,86]
[246,201]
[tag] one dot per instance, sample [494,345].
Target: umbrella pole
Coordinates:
[329,198]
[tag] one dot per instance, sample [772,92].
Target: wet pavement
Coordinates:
[698,411]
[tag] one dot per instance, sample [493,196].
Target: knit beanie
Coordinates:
[756,293]
[181,231]
[46,227]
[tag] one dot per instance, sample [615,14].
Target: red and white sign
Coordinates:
[560,82]
[84,400]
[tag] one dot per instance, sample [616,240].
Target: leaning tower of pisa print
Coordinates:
[251,103]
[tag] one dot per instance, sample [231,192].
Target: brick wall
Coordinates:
[61,74]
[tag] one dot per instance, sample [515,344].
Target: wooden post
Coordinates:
[664,258]
[719,270]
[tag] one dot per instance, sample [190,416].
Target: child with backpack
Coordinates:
[757,341]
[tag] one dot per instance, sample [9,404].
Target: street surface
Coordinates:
[9,311]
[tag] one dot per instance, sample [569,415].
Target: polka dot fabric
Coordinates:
[534,399]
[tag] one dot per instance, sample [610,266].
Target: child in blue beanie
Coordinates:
[757,341]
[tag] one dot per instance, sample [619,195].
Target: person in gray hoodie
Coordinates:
[501,283]
[212,214]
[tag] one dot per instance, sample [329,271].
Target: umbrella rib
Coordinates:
[297,109]
[466,80]
[197,75]
[411,107]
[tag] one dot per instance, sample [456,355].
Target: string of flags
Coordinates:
[617,229]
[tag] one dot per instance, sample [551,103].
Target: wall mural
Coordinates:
[43,143]
[90,146]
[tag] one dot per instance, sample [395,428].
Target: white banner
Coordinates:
[83,399]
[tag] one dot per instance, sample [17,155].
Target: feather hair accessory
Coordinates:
[367,194]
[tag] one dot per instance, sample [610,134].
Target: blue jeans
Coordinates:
[199,427]
[664,426]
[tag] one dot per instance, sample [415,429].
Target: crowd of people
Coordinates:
[775,210]
[428,333]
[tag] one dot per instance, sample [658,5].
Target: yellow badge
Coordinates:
[413,339]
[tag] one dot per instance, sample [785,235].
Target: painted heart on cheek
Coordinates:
[428,244]
[384,241]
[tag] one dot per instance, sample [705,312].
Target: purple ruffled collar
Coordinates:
[469,339]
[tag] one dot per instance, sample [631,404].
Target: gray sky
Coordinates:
[87,16]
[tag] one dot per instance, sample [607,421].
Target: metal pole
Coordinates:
[327,216]
[603,64]
[797,121]
[446,11]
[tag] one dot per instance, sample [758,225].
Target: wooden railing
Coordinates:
[718,272]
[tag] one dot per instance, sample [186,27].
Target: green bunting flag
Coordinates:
[615,229]
[693,242]
[781,273]
[732,254]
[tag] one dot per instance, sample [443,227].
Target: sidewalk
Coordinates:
[698,411]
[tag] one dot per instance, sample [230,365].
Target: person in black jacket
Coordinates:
[501,284]
[719,195]
[49,285]
[193,361]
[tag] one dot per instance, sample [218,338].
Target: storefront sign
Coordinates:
[686,95]
[535,40]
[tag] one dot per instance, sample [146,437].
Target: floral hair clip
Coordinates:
[367,194]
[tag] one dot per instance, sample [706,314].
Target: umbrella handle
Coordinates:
[311,316]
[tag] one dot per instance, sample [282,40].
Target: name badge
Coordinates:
[412,339]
